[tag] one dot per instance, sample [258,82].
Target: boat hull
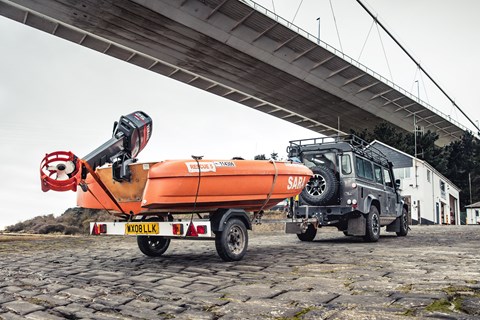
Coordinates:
[188,186]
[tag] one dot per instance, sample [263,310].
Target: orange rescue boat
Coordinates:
[196,186]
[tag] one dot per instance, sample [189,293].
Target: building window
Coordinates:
[476,213]
[402,173]
[442,190]
[429,173]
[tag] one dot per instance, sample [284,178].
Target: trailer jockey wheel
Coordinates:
[232,242]
[153,246]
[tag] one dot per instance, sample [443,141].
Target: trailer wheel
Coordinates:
[372,233]
[309,234]
[153,246]
[403,224]
[232,242]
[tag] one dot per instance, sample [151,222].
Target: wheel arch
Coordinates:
[372,201]
[221,216]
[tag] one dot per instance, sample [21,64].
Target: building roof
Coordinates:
[473,205]
[406,155]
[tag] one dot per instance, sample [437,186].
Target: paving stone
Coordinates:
[145,278]
[79,293]
[173,282]
[51,300]
[10,316]
[113,300]
[22,307]
[137,313]
[42,315]
[252,290]
[142,304]
[471,305]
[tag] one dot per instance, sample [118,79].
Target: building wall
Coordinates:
[473,215]
[429,203]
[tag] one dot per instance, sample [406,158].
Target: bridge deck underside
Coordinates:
[229,49]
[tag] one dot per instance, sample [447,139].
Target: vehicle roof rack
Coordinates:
[357,144]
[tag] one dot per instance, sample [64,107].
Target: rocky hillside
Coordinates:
[72,221]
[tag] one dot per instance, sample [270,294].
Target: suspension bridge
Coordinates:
[240,51]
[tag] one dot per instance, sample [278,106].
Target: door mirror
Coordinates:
[397,183]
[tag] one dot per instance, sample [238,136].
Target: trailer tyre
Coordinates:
[322,187]
[232,242]
[153,246]
[403,224]
[309,234]
[372,233]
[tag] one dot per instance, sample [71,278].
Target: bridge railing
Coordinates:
[348,59]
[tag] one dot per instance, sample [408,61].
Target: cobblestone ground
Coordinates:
[434,272]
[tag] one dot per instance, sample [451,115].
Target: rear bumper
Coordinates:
[327,215]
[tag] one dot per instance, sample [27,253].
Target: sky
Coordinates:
[55,95]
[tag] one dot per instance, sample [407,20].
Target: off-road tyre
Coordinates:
[153,246]
[309,234]
[403,219]
[322,187]
[232,242]
[372,233]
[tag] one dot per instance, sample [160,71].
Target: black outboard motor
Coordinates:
[130,135]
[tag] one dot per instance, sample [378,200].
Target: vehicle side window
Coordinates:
[346,164]
[367,166]
[360,170]
[364,169]
[378,174]
[388,178]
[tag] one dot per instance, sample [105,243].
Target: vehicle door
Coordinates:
[390,193]
[382,193]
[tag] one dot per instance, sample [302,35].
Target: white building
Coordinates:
[431,197]
[473,213]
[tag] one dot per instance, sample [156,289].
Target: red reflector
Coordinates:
[192,232]
[95,230]
[202,229]
[177,229]
[103,228]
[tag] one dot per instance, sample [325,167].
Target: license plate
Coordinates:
[142,228]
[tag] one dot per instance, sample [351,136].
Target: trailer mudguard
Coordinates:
[220,217]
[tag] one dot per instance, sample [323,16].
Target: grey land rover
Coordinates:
[353,188]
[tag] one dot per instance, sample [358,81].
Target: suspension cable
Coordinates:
[336,26]
[384,52]
[297,10]
[366,39]
[418,64]
[273,5]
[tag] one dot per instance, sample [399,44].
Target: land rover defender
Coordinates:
[353,189]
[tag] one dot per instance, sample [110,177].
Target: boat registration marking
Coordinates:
[142,228]
[229,164]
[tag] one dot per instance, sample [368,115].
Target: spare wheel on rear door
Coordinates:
[322,187]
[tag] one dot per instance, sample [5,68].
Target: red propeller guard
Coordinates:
[48,182]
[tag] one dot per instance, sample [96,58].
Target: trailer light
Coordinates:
[98,229]
[177,229]
[354,201]
[349,201]
[354,185]
[202,229]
